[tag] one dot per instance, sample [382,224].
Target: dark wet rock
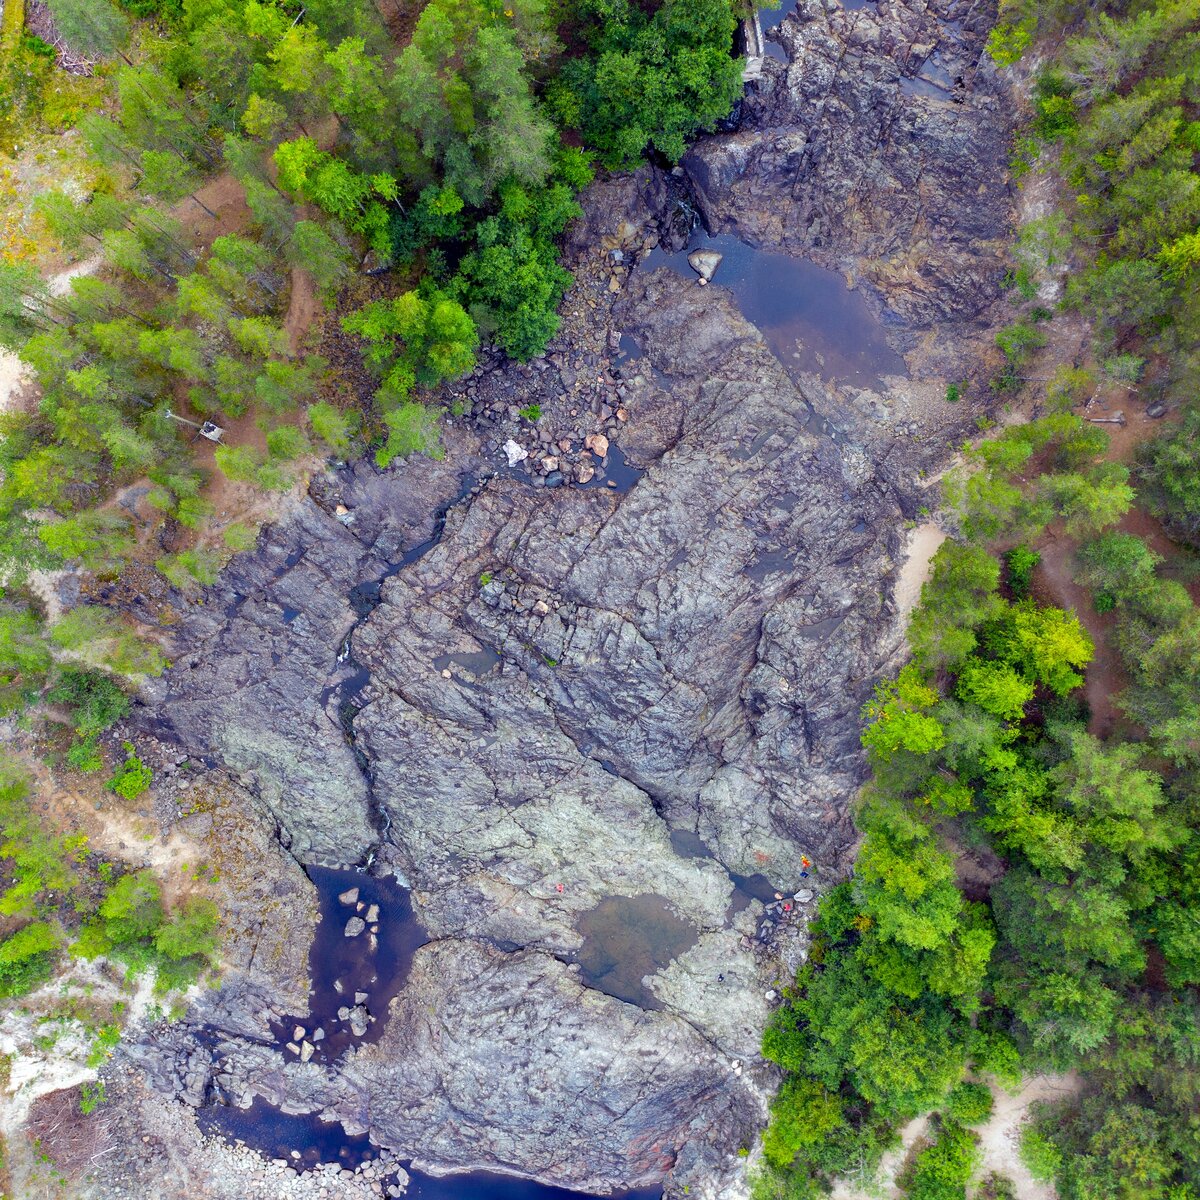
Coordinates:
[835,159]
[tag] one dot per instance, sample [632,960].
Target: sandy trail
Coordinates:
[923,543]
[998,1141]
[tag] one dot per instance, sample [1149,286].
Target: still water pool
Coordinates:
[811,320]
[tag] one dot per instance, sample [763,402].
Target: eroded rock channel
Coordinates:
[594,730]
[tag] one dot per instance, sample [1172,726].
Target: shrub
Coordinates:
[239,537]
[1040,1154]
[1021,561]
[412,429]
[96,701]
[132,777]
[942,1170]
[334,427]
[1007,43]
[969,1103]
[27,958]
[85,755]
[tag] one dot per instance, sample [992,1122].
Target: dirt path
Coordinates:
[1105,678]
[998,1142]
[999,1138]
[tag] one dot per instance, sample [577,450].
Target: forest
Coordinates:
[1080,950]
[419,192]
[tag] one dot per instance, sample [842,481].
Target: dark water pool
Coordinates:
[770,17]
[811,320]
[934,80]
[275,1134]
[626,938]
[618,474]
[376,964]
[482,1185]
[278,1135]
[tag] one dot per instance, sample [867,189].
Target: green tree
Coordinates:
[27,958]
[99,540]
[996,687]
[412,429]
[464,112]
[1046,644]
[654,77]
[315,251]
[415,338]
[961,595]
[335,428]
[899,719]
[803,1113]
[943,1169]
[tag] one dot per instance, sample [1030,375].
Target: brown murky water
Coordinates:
[626,938]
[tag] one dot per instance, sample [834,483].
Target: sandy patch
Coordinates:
[923,543]
[14,379]
[999,1137]
[883,1185]
[998,1140]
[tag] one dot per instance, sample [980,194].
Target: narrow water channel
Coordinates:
[275,1134]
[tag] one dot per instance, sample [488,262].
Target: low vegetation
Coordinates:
[72,904]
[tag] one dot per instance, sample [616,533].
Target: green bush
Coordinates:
[1021,562]
[95,701]
[942,1170]
[1040,1155]
[85,755]
[27,958]
[132,777]
[969,1103]
[239,537]
[412,429]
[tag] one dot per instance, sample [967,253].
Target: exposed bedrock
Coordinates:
[566,685]
[880,148]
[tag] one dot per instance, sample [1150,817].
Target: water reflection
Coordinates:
[811,320]
[626,938]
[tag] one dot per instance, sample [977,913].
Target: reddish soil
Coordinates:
[303,307]
[1054,583]
[225,197]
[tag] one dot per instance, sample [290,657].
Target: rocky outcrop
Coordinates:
[879,148]
[260,665]
[548,689]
